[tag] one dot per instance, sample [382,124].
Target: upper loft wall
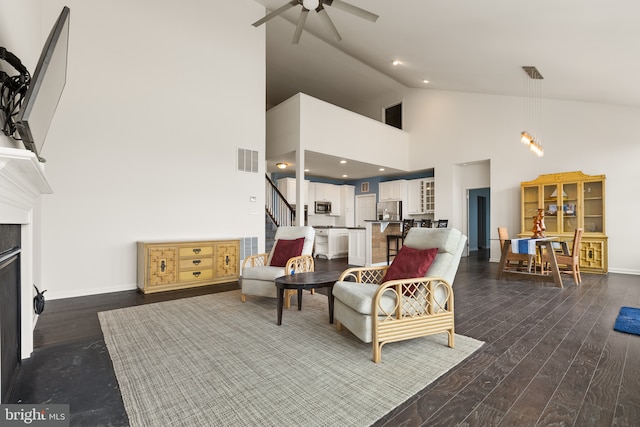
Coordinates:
[304,122]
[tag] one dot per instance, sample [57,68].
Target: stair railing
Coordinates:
[277,207]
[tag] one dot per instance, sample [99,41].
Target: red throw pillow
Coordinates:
[410,263]
[286,249]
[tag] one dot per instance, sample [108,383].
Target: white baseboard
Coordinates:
[54,295]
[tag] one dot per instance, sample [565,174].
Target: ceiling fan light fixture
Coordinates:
[311,4]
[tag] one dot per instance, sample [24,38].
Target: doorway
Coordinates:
[482,222]
[478,217]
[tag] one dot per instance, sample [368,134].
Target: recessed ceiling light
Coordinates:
[345,176]
[381,169]
[306,170]
[425,81]
[343,161]
[396,62]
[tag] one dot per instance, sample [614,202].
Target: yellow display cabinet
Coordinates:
[570,200]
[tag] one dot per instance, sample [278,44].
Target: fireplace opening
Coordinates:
[9,307]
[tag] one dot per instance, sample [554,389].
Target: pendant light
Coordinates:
[532,110]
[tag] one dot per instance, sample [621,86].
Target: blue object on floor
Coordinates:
[628,321]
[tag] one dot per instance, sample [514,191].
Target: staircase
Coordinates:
[278,212]
[269,232]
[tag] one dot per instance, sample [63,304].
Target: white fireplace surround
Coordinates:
[22,182]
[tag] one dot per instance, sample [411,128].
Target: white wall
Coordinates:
[316,125]
[159,96]
[451,128]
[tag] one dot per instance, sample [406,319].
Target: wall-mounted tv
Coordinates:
[47,83]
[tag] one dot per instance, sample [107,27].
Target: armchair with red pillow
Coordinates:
[410,298]
[291,252]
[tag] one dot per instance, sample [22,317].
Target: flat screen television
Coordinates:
[48,81]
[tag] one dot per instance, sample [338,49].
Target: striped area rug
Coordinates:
[215,361]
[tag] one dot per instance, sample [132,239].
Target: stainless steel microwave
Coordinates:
[323,207]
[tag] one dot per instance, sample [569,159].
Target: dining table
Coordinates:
[548,243]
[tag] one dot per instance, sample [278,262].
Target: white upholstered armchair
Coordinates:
[403,308]
[260,271]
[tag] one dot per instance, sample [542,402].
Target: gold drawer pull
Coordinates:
[197,250]
[196,273]
[196,261]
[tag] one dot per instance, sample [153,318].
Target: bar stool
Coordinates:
[398,238]
[425,223]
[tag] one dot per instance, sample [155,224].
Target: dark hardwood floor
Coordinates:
[551,356]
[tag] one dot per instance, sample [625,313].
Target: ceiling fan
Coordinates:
[318,6]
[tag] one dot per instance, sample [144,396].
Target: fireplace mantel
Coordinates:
[22,182]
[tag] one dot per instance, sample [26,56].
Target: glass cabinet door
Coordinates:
[569,206]
[551,207]
[530,205]
[593,207]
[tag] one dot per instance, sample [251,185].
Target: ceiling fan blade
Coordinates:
[324,17]
[354,10]
[303,18]
[275,13]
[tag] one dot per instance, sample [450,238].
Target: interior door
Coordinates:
[365,208]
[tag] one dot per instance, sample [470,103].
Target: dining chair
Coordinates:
[571,261]
[443,223]
[503,235]
[425,223]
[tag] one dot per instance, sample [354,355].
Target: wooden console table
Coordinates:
[545,243]
[168,265]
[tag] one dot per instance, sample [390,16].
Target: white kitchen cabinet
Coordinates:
[311,198]
[332,242]
[421,196]
[357,247]
[392,190]
[327,192]
[287,186]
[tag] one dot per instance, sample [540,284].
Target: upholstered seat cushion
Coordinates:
[268,273]
[360,296]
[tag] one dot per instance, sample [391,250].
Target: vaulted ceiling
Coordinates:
[586,50]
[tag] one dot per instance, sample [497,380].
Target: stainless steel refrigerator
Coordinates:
[389,211]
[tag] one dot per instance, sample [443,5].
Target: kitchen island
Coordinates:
[331,242]
[369,246]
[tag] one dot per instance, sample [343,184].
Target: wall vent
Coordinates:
[247,160]
[248,247]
